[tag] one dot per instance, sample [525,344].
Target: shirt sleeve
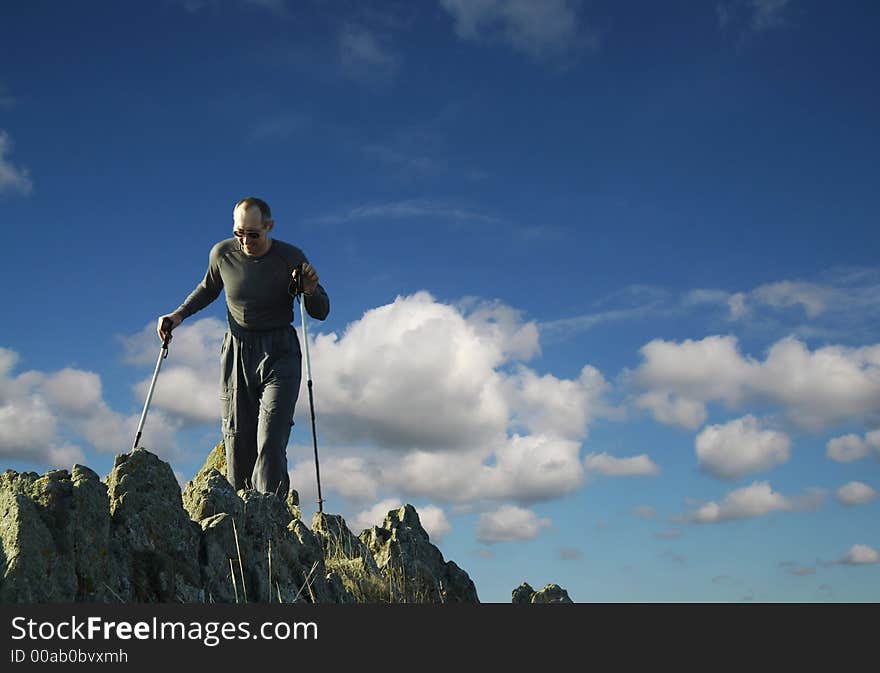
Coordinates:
[318,305]
[206,291]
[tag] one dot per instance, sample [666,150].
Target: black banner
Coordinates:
[400,637]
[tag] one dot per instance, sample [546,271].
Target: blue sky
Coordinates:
[603,276]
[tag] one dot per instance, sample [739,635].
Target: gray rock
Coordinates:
[154,544]
[413,567]
[551,593]
[68,537]
[53,537]
[523,594]
[348,561]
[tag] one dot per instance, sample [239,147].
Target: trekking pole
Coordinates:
[302,310]
[163,353]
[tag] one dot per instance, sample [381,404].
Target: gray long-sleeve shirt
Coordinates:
[257,294]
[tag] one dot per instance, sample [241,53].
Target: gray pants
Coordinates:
[260,375]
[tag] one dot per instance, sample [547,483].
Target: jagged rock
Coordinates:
[206,495]
[154,543]
[551,593]
[134,537]
[348,560]
[263,534]
[53,537]
[523,593]
[414,567]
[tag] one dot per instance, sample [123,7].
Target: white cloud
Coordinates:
[40,413]
[417,398]
[188,386]
[549,405]
[375,515]
[816,388]
[411,374]
[74,391]
[813,298]
[740,447]
[855,493]
[602,463]
[503,325]
[673,409]
[526,468]
[535,28]
[851,447]
[752,501]
[434,521]
[13,179]
[737,305]
[860,554]
[433,518]
[408,209]
[509,523]
[354,477]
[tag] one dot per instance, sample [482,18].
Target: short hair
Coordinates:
[249,201]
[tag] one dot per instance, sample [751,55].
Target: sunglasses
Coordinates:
[240,233]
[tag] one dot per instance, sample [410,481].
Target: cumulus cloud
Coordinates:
[415,398]
[740,447]
[509,523]
[41,413]
[860,554]
[539,29]
[752,501]
[855,493]
[433,518]
[14,180]
[851,447]
[605,464]
[673,409]
[815,388]
[188,387]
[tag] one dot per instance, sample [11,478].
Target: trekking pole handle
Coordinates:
[166,328]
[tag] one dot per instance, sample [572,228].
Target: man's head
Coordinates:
[251,223]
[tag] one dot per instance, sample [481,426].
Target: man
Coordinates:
[260,361]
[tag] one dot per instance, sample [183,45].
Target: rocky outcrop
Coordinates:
[551,593]
[152,540]
[54,537]
[413,567]
[135,537]
[347,558]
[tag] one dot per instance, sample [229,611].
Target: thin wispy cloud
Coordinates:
[753,16]
[14,180]
[411,209]
[7,100]
[280,128]
[365,56]
[541,30]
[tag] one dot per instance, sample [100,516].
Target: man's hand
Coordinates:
[175,321]
[310,278]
